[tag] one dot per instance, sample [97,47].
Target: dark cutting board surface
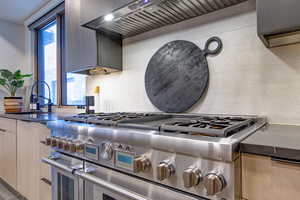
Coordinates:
[177,76]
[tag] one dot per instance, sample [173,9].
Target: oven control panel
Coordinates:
[91,151]
[122,156]
[163,167]
[124,160]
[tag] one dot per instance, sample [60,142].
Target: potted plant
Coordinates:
[11,82]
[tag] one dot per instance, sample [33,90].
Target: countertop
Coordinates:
[40,117]
[282,141]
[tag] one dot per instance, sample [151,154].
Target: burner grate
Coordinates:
[208,126]
[215,126]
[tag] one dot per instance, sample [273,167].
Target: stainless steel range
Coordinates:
[153,156]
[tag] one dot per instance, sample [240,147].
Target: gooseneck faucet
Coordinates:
[35,98]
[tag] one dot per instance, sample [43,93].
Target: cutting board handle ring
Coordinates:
[215,51]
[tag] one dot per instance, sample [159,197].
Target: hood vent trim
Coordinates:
[139,17]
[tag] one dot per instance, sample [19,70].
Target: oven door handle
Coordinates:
[109,186]
[58,165]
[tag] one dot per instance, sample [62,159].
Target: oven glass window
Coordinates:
[106,197]
[65,188]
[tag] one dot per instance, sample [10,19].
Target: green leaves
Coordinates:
[18,76]
[6,74]
[12,81]
[2,81]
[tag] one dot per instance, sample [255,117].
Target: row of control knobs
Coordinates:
[214,182]
[66,145]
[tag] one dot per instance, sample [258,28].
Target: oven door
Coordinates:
[106,184]
[65,186]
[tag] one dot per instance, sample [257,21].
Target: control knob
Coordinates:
[53,142]
[214,183]
[60,143]
[67,146]
[48,141]
[141,164]
[79,147]
[72,147]
[106,151]
[192,176]
[165,169]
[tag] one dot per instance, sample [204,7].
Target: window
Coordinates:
[47,60]
[65,88]
[75,89]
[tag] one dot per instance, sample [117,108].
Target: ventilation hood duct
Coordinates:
[278,22]
[145,15]
[109,55]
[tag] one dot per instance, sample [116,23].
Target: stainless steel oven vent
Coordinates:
[145,15]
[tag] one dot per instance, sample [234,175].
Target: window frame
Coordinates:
[59,65]
[57,14]
[40,52]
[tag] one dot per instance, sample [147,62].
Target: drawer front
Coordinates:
[45,170]
[45,189]
[8,125]
[269,179]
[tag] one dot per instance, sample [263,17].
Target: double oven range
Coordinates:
[148,156]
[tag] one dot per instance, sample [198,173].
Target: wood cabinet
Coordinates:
[30,170]
[265,179]
[73,32]
[80,42]
[8,154]
[45,170]
[27,156]
[21,150]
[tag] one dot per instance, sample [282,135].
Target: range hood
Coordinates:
[108,56]
[278,22]
[144,15]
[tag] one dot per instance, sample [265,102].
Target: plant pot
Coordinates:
[13,104]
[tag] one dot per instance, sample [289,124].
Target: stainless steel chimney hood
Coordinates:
[278,22]
[144,15]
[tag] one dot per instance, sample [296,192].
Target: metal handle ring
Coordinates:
[215,51]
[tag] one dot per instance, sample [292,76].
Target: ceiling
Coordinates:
[18,10]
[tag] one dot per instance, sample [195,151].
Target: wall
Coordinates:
[12,49]
[246,78]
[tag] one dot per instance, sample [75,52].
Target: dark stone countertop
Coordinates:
[282,141]
[40,117]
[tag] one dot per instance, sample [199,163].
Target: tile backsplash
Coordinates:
[246,78]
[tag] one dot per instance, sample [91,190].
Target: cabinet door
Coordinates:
[72,35]
[44,191]
[9,161]
[2,166]
[8,148]
[45,170]
[265,179]
[27,159]
[81,43]
[81,47]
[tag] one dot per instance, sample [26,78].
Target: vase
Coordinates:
[13,104]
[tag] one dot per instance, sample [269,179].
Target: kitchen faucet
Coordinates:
[35,98]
